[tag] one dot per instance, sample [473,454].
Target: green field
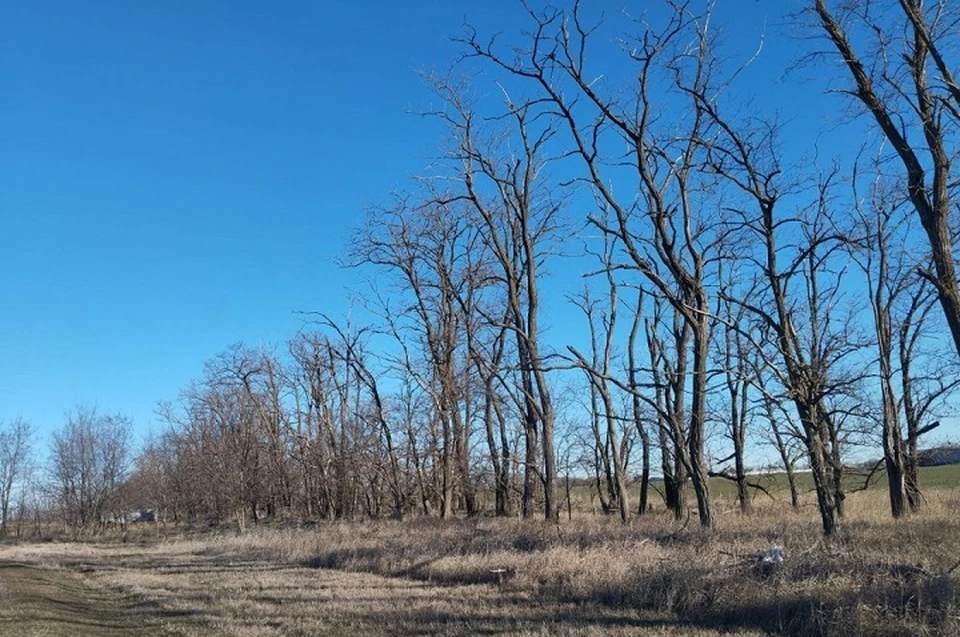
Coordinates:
[932,478]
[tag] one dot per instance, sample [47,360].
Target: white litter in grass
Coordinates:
[774,555]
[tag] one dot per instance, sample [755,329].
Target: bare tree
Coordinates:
[786,436]
[664,226]
[636,403]
[89,463]
[903,76]
[801,328]
[884,245]
[151,483]
[327,434]
[887,274]
[927,380]
[357,359]
[519,221]
[737,366]
[430,247]
[489,362]
[602,326]
[598,373]
[15,457]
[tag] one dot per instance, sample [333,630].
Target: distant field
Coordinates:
[933,478]
[944,477]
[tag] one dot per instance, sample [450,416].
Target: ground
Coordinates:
[588,575]
[176,588]
[39,602]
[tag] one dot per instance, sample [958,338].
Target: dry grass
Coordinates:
[586,576]
[879,577]
[227,590]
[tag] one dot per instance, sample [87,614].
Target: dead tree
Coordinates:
[887,278]
[15,458]
[357,360]
[636,404]
[667,347]
[88,465]
[597,370]
[903,77]
[785,435]
[801,329]
[519,222]
[669,222]
[737,372]
[602,325]
[428,245]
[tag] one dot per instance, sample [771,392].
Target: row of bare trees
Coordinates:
[707,218]
[83,483]
[726,275]
[724,292]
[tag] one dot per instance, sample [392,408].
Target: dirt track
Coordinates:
[53,601]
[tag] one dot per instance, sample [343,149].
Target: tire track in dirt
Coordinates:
[51,602]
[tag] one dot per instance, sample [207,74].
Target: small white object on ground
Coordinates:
[774,555]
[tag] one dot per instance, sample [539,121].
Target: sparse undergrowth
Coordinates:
[878,577]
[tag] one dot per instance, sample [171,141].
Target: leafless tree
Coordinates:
[665,226]
[598,370]
[903,76]
[784,433]
[639,415]
[811,336]
[667,346]
[151,484]
[736,366]
[88,465]
[489,360]
[16,438]
[602,326]
[519,222]
[328,431]
[928,380]
[887,276]
[430,247]
[357,359]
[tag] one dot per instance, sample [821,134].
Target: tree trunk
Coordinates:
[698,466]
[642,505]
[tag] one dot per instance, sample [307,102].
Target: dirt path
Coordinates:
[51,602]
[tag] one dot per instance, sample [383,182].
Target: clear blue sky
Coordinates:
[179,176]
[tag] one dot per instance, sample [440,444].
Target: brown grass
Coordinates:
[586,576]
[879,577]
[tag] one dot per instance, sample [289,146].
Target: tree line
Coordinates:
[735,293]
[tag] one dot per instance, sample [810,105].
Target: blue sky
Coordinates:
[180,176]
[176,177]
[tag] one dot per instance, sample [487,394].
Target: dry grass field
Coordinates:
[191,588]
[586,576]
